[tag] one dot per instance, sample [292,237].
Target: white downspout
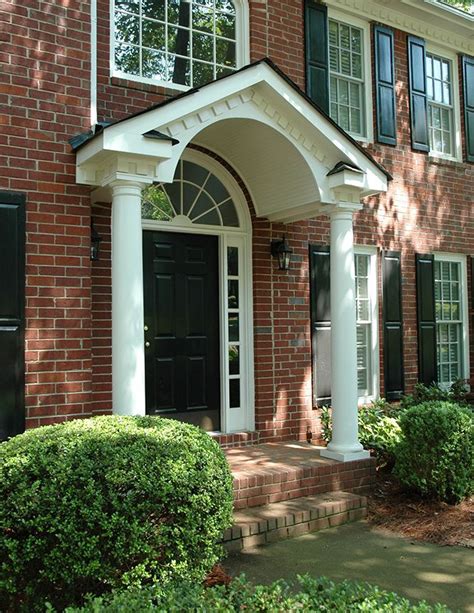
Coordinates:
[93,115]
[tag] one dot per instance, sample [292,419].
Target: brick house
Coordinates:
[161,130]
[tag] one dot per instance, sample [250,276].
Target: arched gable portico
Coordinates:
[296,164]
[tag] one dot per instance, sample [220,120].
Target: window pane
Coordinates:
[202,73]
[344,36]
[234,360]
[190,194]
[127,59]
[203,47]
[153,34]
[225,52]
[233,293]
[225,25]
[233,327]
[127,28]
[153,64]
[234,393]
[179,70]
[333,33]
[203,18]
[178,41]
[356,40]
[357,66]
[345,62]
[155,204]
[229,214]
[232,261]
[154,9]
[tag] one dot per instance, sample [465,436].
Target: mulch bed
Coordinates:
[423,520]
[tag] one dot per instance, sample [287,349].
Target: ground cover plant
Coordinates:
[92,505]
[307,594]
[379,429]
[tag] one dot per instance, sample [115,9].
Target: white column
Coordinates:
[344,445]
[128,353]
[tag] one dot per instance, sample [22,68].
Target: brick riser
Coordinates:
[282,520]
[271,486]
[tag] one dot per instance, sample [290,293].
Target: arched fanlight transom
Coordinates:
[196,194]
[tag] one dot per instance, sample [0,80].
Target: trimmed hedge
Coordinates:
[436,452]
[92,505]
[306,595]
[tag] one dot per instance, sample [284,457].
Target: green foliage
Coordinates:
[436,453]
[422,393]
[378,428]
[308,594]
[464,5]
[90,505]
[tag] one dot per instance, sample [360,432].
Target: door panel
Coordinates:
[12,296]
[182,315]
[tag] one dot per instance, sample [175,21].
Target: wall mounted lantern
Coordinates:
[281,250]
[96,239]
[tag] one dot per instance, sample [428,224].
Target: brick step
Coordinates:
[281,520]
[279,483]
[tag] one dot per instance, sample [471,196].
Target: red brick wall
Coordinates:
[44,93]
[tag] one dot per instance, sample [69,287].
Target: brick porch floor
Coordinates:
[274,472]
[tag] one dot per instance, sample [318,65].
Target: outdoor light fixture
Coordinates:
[95,242]
[281,251]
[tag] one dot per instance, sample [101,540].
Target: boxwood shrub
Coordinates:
[90,505]
[307,595]
[436,452]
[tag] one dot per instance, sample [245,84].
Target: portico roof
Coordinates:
[284,147]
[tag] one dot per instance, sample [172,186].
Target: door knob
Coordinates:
[147,344]
[145,328]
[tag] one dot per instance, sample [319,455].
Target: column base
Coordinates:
[345,456]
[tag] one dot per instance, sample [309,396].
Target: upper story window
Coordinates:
[346,82]
[178,43]
[439,88]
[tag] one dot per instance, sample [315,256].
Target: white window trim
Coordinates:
[373,294]
[368,113]
[460,259]
[242,45]
[457,144]
[243,418]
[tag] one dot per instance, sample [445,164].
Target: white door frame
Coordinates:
[242,418]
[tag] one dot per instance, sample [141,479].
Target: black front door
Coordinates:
[182,327]
[12,323]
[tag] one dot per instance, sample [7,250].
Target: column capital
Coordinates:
[127,187]
[343,210]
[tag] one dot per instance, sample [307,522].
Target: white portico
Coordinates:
[296,164]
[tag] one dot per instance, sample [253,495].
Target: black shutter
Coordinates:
[392,325]
[425,301]
[468,89]
[12,297]
[385,86]
[418,101]
[320,324]
[317,52]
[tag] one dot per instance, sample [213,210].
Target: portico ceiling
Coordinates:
[280,143]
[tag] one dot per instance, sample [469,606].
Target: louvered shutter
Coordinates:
[425,301]
[317,52]
[392,325]
[385,86]
[320,324]
[418,100]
